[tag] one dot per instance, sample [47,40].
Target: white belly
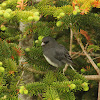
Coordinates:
[50,62]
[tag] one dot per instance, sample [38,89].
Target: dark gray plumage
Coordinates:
[56,54]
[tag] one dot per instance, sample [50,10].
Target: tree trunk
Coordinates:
[27,77]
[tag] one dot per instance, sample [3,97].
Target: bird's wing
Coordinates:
[62,55]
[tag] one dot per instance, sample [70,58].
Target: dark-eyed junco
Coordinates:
[56,54]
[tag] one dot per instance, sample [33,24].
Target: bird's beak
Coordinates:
[42,44]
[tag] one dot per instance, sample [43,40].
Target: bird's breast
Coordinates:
[50,62]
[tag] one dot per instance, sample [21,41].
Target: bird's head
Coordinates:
[48,41]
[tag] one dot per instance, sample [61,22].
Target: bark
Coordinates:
[26,76]
[92,77]
[99,91]
[71,41]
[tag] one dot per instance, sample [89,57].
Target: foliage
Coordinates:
[46,18]
[54,87]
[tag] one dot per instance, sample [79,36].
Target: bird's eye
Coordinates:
[46,42]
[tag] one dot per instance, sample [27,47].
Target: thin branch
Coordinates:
[86,46]
[99,91]
[90,59]
[31,70]
[92,77]
[78,54]
[34,71]
[40,96]
[93,54]
[96,58]
[75,54]
[71,41]
[20,79]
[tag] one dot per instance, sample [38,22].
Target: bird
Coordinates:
[56,54]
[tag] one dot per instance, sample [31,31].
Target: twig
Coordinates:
[71,41]
[40,96]
[35,71]
[78,54]
[31,70]
[75,54]
[90,59]
[95,55]
[86,46]
[20,79]
[96,58]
